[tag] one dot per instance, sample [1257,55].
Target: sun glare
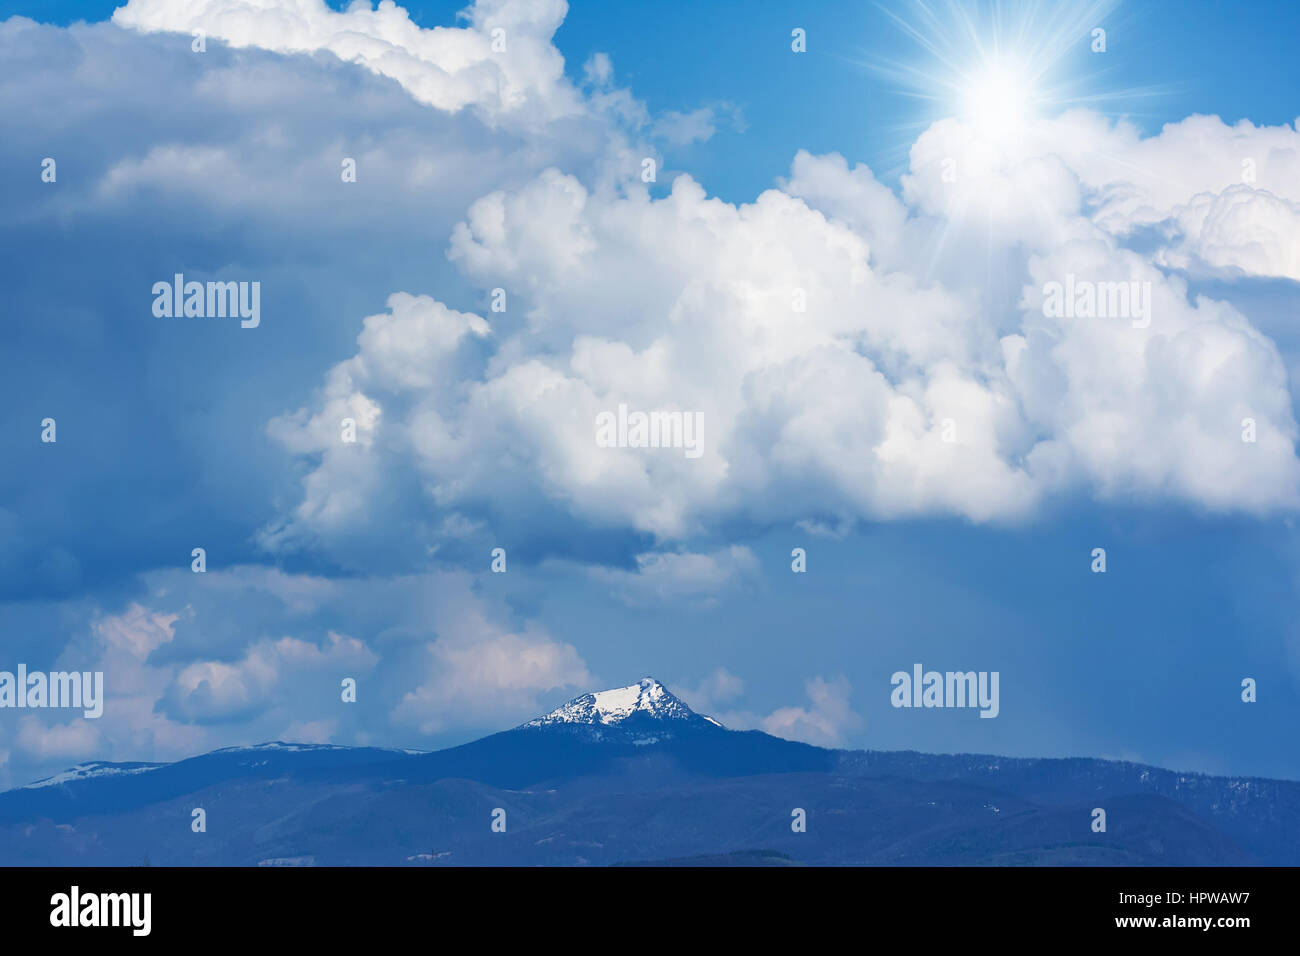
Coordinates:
[995,64]
[997,100]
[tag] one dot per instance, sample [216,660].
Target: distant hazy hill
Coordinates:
[633,775]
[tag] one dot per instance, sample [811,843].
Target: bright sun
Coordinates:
[998,100]
[996,65]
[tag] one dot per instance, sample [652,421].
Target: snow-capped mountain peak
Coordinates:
[647,697]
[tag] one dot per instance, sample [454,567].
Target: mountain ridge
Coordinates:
[633,775]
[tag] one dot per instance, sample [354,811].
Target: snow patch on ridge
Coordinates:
[84,771]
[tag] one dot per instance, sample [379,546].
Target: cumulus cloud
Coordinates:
[825,722]
[908,384]
[250,654]
[137,631]
[478,670]
[847,352]
[1207,187]
[216,691]
[118,645]
[1241,230]
[156,146]
[501,62]
[275,130]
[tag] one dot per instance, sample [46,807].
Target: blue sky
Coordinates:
[522,173]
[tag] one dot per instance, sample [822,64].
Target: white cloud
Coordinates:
[1225,194]
[77,739]
[824,417]
[1154,412]
[598,70]
[450,68]
[1241,230]
[310,731]
[663,578]
[477,671]
[681,129]
[827,720]
[824,723]
[909,385]
[718,688]
[209,690]
[417,347]
[137,631]
[187,670]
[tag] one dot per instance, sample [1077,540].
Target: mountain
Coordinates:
[115,788]
[632,775]
[645,708]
